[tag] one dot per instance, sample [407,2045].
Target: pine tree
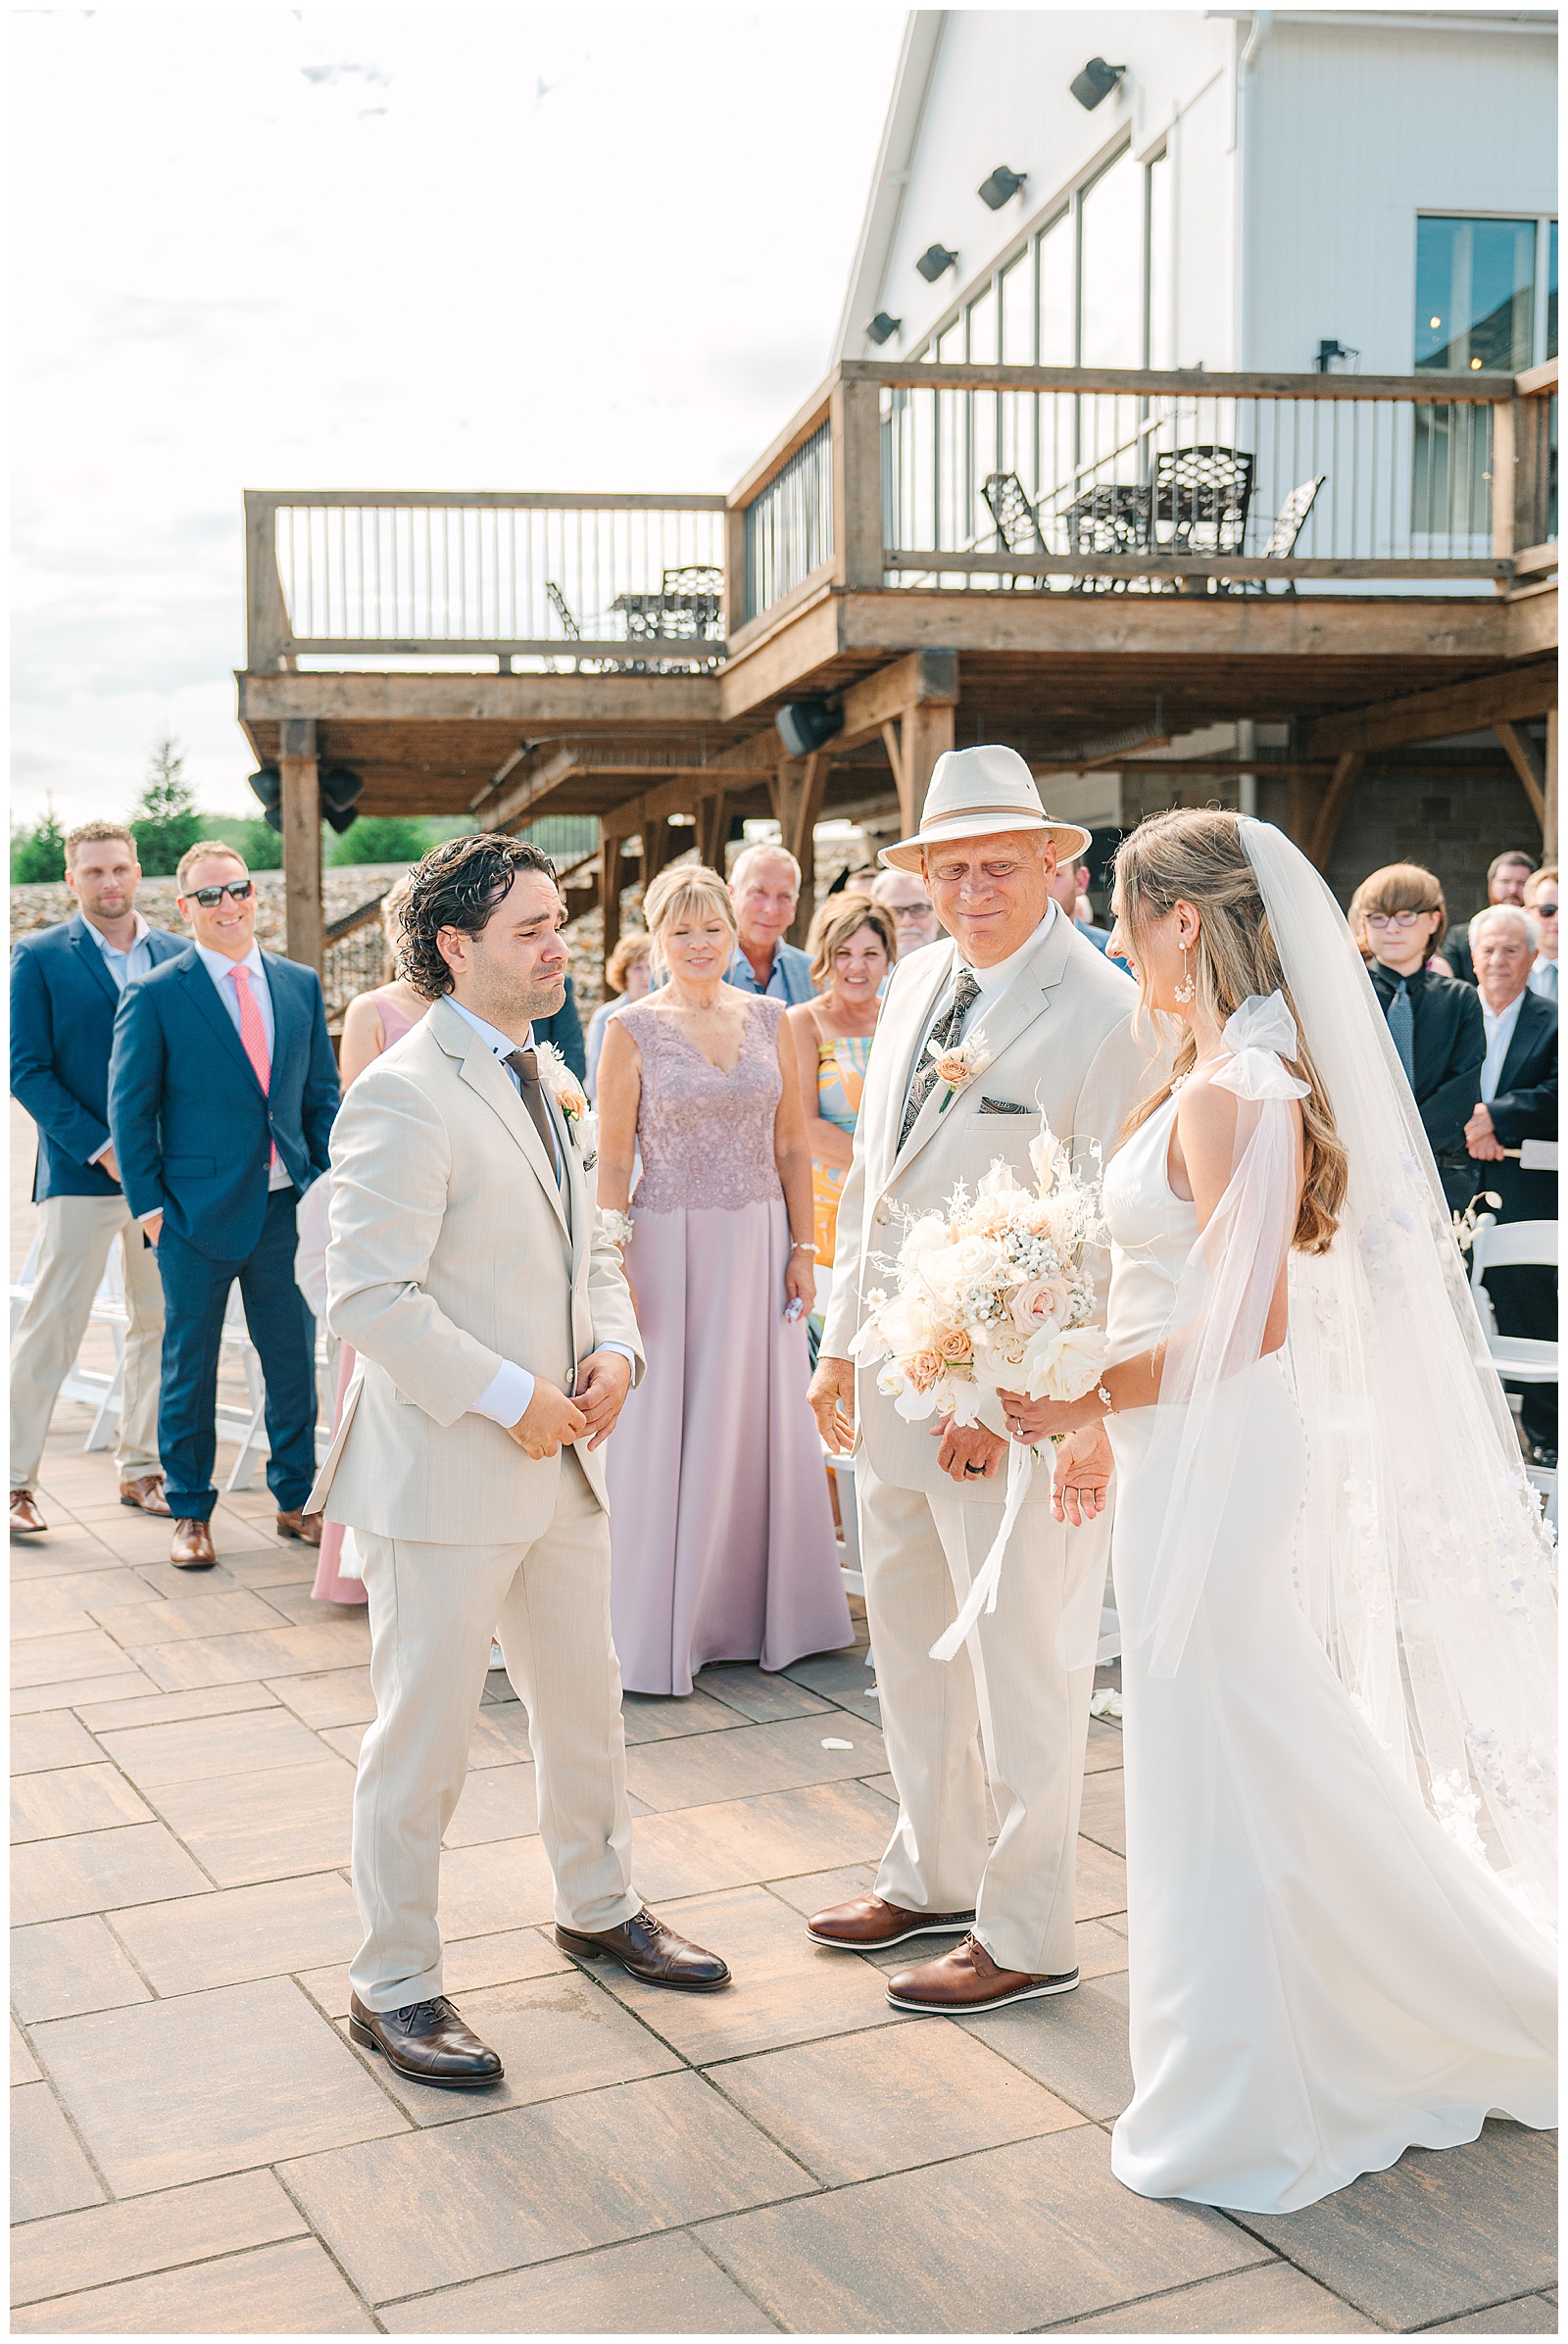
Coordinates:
[165,818]
[39,853]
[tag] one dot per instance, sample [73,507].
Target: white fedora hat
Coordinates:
[976,793]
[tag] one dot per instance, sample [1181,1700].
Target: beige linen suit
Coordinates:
[1060,1040]
[453,1249]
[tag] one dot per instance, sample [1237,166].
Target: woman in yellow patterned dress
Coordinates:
[852,946]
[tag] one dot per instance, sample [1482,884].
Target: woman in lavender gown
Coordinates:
[721,1534]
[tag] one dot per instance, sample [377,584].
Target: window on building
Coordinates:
[1475,292]
[1159,319]
[1110,271]
[1055,251]
[1019,314]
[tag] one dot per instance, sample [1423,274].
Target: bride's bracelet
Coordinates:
[804,1245]
[617,1226]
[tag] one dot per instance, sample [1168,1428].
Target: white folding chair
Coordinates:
[1518,1358]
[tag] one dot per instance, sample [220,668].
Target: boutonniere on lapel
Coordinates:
[571,1101]
[959,1063]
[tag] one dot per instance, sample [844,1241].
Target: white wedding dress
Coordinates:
[1321,1974]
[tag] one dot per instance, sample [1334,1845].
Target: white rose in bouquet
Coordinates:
[1064,1365]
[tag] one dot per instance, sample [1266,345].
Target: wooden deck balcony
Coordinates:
[1078,561]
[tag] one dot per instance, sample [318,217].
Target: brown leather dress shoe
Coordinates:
[146,1491]
[192,1547]
[968,1979]
[300,1525]
[645,1947]
[868,1923]
[24,1515]
[427,2042]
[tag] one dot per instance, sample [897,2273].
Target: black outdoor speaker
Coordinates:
[340,787]
[1001,187]
[268,787]
[883,327]
[1097,80]
[933,261]
[806,725]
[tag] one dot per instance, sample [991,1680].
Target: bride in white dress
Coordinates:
[1336,1595]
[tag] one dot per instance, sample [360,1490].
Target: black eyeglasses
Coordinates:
[207,897]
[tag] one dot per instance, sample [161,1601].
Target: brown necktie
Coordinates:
[524,1064]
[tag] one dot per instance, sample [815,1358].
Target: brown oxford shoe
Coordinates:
[427,2042]
[300,1525]
[968,1979]
[192,1547]
[24,1515]
[146,1491]
[868,1923]
[645,1947]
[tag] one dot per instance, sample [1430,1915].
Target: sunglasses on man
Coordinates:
[207,897]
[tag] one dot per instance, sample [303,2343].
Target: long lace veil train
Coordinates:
[1422,1561]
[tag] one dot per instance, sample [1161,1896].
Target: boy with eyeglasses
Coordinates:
[222,1093]
[1435,1021]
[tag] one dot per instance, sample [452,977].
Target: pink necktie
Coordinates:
[252,1034]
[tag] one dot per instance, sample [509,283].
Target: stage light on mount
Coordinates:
[1097,80]
[806,725]
[882,328]
[1002,186]
[934,260]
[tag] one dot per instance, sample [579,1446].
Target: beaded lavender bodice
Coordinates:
[707,1138]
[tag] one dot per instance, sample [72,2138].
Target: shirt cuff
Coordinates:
[624,1350]
[506,1397]
[102,1152]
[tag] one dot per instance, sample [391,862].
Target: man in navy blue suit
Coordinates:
[221,1094]
[65,984]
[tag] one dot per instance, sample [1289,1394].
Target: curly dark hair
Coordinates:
[458,885]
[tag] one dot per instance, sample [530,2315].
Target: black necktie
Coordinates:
[1401,1028]
[965,993]
[524,1064]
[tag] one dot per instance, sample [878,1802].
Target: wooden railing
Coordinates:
[1137,481]
[532,575]
[1150,482]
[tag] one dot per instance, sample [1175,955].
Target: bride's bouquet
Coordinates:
[993,1294]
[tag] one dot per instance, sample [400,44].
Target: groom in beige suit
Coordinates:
[1054,1017]
[497,1341]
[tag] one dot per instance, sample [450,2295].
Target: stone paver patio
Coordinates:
[198,2149]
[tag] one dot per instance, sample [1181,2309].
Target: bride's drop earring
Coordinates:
[1187,988]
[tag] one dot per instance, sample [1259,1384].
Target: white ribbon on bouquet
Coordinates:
[982,1595]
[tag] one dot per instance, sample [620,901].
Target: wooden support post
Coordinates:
[1304,801]
[1330,806]
[1525,759]
[713,828]
[1548,827]
[798,796]
[610,891]
[655,848]
[301,802]
[856,414]
[925,734]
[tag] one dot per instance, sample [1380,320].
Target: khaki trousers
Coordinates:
[77,1235]
[432,1611]
[1030,1713]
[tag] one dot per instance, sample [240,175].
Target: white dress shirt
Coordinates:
[221,968]
[122,967]
[992,983]
[1544,978]
[507,1395]
[1499,1025]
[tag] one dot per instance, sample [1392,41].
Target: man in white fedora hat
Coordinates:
[1045,1019]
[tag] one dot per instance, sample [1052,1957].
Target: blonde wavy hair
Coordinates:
[1199,858]
[836,920]
[683,890]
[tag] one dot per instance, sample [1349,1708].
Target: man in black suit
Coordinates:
[1518,1102]
[1505,884]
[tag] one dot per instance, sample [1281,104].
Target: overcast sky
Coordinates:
[384,248]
